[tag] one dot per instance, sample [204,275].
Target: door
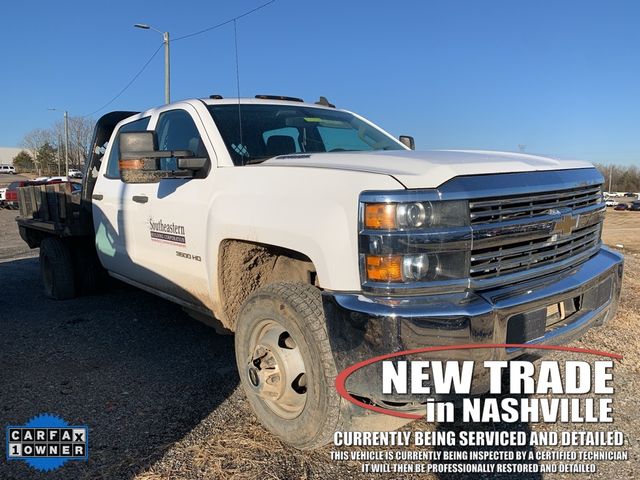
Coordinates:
[110,208]
[168,220]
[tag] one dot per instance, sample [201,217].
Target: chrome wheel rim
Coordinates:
[275,370]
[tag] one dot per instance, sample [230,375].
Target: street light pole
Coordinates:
[167,69]
[66,142]
[167,60]
[58,152]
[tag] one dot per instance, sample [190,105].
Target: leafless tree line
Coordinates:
[46,147]
[622,178]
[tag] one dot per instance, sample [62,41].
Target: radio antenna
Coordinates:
[241,147]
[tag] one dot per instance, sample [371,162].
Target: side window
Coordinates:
[176,130]
[113,168]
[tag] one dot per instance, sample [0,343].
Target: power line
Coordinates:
[135,77]
[226,22]
[189,35]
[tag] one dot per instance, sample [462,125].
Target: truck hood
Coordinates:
[427,169]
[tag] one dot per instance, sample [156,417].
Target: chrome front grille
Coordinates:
[519,256]
[519,227]
[522,206]
[499,249]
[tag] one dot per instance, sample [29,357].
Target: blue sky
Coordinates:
[561,77]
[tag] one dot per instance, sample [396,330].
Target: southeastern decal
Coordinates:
[167,232]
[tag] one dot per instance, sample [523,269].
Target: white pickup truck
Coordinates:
[320,241]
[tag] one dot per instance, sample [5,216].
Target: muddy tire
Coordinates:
[56,266]
[286,366]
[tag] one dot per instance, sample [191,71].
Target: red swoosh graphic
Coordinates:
[343,375]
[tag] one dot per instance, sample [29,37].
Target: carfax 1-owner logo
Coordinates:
[47,442]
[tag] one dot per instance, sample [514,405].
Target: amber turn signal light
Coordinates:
[380,216]
[384,269]
[131,164]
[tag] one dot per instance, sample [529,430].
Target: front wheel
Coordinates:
[286,366]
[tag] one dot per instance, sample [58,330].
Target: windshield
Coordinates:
[271,130]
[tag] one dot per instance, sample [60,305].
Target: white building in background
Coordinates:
[7,154]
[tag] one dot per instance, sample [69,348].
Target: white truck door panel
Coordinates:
[112,207]
[167,224]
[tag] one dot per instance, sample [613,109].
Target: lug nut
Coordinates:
[289,343]
[254,378]
[270,362]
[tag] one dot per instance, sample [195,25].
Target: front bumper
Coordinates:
[361,327]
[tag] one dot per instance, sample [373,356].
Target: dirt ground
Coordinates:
[161,395]
[622,229]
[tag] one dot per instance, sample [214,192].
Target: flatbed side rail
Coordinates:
[53,209]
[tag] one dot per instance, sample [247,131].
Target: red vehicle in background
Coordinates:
[11,195]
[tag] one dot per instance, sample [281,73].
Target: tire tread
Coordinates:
[306,300]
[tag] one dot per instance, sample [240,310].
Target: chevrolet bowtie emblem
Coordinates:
[564,226]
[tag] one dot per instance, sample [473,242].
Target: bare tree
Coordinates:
[624,178]
[34,141]
[80,130]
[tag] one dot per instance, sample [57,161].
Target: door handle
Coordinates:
[97,196]
[140,198]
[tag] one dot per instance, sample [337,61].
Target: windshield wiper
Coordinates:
[255,160]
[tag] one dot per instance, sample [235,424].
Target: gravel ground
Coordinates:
[11,245]
[160,392]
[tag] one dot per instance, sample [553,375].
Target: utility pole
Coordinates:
[610,176]
[59,156]
[167,69]
[66,142]
[167,61]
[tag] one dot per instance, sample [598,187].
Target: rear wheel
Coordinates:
[286,366]
[56,266]
[90,276]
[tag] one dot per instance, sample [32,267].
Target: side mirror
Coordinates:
[140,159]
[408,141]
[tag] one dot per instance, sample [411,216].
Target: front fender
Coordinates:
[313,211]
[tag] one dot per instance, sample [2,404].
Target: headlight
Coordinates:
[422,267]
[413,215]
[415,267]
[414,242]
